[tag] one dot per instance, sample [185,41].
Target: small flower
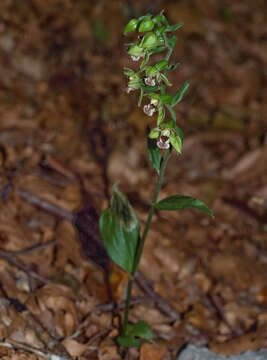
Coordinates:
[150,81]
[163,142]
[128,89]
[149,109]
[135,58]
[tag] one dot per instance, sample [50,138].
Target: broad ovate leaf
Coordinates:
[119,227]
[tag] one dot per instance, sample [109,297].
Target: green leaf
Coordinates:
[131,26]
[179,202]
[119,227]
[141,329]
[172,112]
[177,97]
[154,153]
[176,142]
[174,27]
[166,98]
[128,341]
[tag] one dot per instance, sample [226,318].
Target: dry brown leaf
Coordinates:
[108,351]
[55,307]
[152,352]
[73,347]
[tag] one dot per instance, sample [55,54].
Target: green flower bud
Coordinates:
[150,41]
[131,26]
[154,133]
[136,50]
[146,25]
[160,19]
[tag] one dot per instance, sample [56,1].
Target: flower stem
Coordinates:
[141,241]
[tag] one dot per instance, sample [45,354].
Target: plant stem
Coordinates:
[141,241]
[127,306]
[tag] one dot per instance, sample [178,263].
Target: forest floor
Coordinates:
[68,131]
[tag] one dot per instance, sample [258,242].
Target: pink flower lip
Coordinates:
[149,109]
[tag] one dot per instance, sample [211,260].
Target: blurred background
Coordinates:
[68,131]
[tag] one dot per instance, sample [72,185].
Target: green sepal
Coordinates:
[161,114]
[176,142]
[180,202]
[136,50]
[154,133]
[131,26]
[177,97]
[179,132]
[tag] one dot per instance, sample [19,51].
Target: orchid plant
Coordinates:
[119,225]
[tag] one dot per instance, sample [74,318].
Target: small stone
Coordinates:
[192,352]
